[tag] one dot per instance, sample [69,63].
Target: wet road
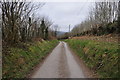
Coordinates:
[60,64]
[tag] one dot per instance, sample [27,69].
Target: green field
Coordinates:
[20,61]
[101,57]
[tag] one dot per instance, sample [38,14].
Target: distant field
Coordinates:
[18,62]
[102,57]
[107,38]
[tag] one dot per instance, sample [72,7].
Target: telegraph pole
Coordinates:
[69,28]
[69,31]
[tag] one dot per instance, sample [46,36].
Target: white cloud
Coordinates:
[65,13]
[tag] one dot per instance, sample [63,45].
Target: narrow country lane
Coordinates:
[61,63]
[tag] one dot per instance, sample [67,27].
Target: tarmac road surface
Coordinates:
[61,63]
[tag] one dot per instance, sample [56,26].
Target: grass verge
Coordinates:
[102,57]
[20,61]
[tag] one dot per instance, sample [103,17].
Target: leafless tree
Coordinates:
[15,16]
[100,17]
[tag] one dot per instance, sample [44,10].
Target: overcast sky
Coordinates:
[66,13]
